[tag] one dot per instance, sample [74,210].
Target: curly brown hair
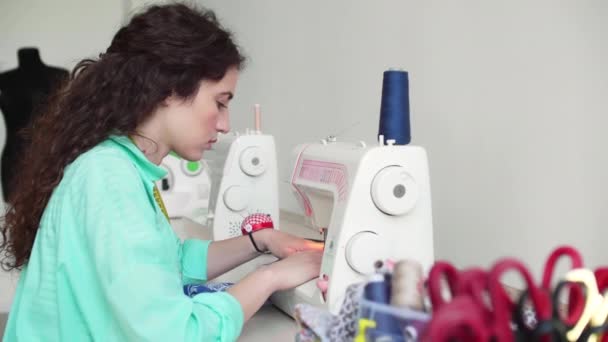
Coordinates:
[166,50]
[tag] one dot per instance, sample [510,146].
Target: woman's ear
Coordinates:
[169,100]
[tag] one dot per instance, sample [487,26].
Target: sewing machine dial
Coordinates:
[363,249]
[394,191]
[236,197]
[252,162]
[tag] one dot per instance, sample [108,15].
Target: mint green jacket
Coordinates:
[106,265]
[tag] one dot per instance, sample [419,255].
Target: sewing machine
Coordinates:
[243,172]
[185,188]
[371,202]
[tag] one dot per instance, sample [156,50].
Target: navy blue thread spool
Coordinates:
[395,107]
[377,291]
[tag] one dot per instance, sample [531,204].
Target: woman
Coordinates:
[86,225]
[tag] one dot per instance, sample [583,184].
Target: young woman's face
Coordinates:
[193,125]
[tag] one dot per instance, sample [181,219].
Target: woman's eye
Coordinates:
[221,105]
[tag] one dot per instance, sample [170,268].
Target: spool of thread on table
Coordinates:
[406,282]
[395,107]
[377,291]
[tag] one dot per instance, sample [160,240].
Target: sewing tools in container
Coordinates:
[480,308]
[474,305]
[399,283]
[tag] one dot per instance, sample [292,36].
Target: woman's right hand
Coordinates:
[296,269]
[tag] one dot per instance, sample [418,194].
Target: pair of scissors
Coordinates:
[472,313]
[457,318]
[592,321]
[504,306]
[601,278]
[552,324]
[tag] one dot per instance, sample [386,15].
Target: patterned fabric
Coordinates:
[319,325]
[315,323]
[346,327]
[191,290]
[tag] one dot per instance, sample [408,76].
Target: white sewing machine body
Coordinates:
[243,172]
[375,203]
[185,188]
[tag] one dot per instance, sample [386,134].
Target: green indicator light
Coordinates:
[193,166]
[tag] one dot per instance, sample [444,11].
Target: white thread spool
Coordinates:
[406,282]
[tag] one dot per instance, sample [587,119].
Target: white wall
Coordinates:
[509,98]
[65,31]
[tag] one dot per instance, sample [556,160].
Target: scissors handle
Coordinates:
[505,307]
[438,272]
[563,251]
[461,319]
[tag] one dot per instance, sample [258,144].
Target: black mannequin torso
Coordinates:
[22,91]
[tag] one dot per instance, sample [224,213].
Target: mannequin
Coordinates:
[23,91]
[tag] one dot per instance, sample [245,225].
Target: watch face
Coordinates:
[255,222]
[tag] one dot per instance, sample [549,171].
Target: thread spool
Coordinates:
[406,285]
[395,107]
[377,291]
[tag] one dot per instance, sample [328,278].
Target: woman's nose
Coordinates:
[223,123]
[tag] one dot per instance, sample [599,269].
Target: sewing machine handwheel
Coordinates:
[394,191]
[363,249]
[236,198]
[251,161]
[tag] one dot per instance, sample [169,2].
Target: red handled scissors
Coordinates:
[551,324]
[472,313]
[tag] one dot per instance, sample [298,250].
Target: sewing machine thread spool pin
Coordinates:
[381,140]
[257,118]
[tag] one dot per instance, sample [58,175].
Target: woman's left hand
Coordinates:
[282,244]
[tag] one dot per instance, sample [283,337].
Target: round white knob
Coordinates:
[394,191]
[236,197]
[252,162]
[363,249]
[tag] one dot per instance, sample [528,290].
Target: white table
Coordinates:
[269,324]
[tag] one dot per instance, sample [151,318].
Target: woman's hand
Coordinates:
[283,245]
[295,269]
